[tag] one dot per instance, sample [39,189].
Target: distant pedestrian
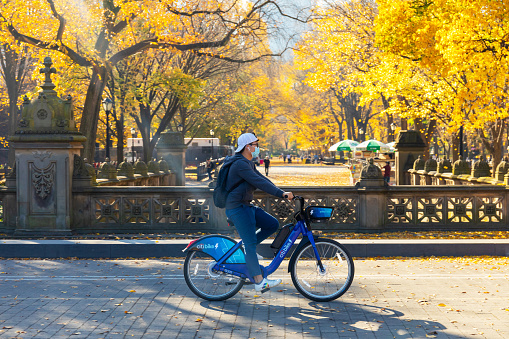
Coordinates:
[210,166]
[266,162]
[387,172]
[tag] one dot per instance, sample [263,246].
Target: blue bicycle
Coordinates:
[321,269]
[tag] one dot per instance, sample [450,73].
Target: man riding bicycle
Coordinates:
[245,216]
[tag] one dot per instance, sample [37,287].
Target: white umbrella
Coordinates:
[343,145]
[372,145]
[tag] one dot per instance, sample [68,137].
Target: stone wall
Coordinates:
[459,173]
[118,210]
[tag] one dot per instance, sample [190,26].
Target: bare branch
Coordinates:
[60,19]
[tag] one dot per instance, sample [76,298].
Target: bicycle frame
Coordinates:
[240,269]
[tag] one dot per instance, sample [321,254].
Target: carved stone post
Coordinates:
[172,149]
[409,145]
[45,143]
[372,189]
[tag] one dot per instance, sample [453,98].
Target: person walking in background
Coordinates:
[266,162]
[209,168]
[387,172]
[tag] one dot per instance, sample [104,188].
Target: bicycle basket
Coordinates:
[319,213]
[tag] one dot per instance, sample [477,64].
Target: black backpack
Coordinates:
[220,192]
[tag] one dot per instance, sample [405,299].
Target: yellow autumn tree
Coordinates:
[97,35]
[340,56]
[462,46]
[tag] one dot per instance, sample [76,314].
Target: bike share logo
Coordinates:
[207,246]
[285,248]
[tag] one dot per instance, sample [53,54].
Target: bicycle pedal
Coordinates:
[265,290]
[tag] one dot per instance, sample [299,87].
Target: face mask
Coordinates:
[256,152]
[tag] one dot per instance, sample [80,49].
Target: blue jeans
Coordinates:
[247,219]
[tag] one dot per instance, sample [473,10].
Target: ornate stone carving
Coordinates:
[61,123]
[43,179]
[409,139]
[107,171]
[461,167]
[47,71]
[163,166]
[400,210]
[502,169]
[481,169]
[23,123]
[419,164]
[80,171]
[444,166]
[42,114]
[141,168]
[371,171]
[153,166]
[125,169]
[42,155]
[430,165]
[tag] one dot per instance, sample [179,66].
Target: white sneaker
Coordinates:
[259,257]
[265,284]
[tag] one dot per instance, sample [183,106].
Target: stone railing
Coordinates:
[459,173]
[370,209]
[156,173]
[157,209]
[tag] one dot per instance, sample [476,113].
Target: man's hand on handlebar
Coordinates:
[288,195]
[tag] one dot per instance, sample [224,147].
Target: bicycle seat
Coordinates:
[230,222]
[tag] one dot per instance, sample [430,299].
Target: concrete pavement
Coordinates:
[412,298]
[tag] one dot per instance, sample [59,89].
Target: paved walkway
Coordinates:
[296,170]
[418,298]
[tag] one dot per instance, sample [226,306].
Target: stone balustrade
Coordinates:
[156,173]
[461,173]
[129,209]
[370,206]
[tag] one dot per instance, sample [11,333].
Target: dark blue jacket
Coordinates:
[243,170]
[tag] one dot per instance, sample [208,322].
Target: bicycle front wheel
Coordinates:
[207,283]
[333,281]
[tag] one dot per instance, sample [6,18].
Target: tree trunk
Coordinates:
[455,147]
[494,144]
[90,116]
[119,124]
[14,69]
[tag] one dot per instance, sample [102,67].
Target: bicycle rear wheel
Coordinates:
[330,284]
[207,283]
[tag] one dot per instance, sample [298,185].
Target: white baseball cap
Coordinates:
[244,140]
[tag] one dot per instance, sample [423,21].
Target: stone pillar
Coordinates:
[172,149]
[45,143]
[409,145]
[372,196]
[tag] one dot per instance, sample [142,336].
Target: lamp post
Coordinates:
[180,128]
[212,142]
[361,133]
[133,135]
[107,105]
[393,129]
